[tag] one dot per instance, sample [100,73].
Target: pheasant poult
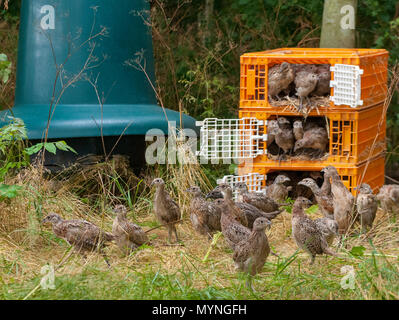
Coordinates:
[343,200]
[233,231]
[315,139]
[329,229]
[389,198]
[279,79]
[84,236]
[366,205]
[306,233]
[250,254]
[284,136]
[166,209]
[258,200]
[128,236]
[278,191]
[204,215]
[324,200]
[305,83]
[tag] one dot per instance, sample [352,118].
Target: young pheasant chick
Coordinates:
[204,215]
[250,254]
[366,204]
[166,209]
[128,236]
[306,234]
[83,235]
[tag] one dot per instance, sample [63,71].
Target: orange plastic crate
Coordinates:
[371,172]
[352,136]
[255,66]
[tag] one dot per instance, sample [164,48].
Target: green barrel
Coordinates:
[85,41]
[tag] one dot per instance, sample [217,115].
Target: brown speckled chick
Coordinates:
[250,212]
[389,198]
[305,83]
[166,209]
[343,200]
[284,136]
[324,200]
[128,236]
[279,79]
[366,204]
[323,84]
[83,235]
[306,233]
[329,229]
[227,193]
[250,254]
[233,231]
[259,200]
[278,191]
[315,139]
[298,130]
[272,128]
[204,215]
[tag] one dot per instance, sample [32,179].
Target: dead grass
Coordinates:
[26,246]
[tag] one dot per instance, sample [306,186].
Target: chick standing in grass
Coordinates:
[329,229]
[250,254]
[306,233]
[166,209]
[324,200]
[259,200]
[128,236]
[246,209]
[343,200]
[366,204]
[389,198]
[83,235]
[204,215]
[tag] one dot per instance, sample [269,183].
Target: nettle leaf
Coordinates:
[7,191]
[62,145]
[34,149]
[358,251]
[50,147]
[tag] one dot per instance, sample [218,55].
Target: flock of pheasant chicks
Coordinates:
[300,137]
[243,222]
[304,80]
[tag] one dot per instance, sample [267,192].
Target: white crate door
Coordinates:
[233,139]
[347,85]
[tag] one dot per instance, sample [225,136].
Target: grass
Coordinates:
[162,271]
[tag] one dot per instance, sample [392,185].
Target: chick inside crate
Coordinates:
[260,137]
[335,137]
[303,79]
[371,172]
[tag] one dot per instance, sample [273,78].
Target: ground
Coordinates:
[163,271]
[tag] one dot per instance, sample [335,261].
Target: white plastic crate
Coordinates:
[347,85]
[252,180]
[230,138]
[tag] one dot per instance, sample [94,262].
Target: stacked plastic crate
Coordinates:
[353,114]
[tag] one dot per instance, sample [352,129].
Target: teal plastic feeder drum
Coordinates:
[66,44]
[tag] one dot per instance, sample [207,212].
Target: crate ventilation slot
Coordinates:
[231,138]
[347,85]
[252,180]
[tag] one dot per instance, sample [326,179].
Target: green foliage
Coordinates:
[358,251]
[5,68]
[51,147]
[12,147]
